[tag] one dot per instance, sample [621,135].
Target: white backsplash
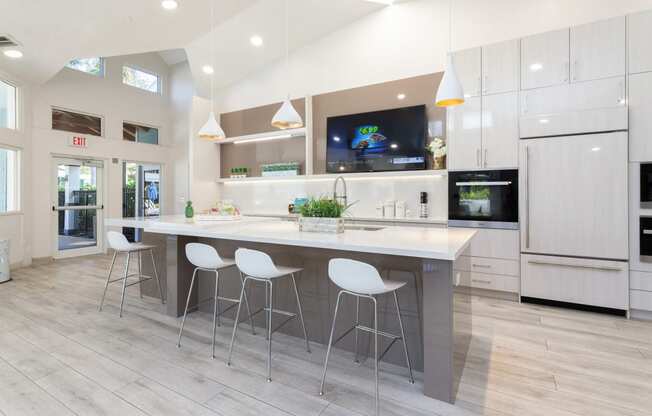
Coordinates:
[273,197]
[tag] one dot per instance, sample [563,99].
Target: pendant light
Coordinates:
[211,131]
[450,92]
[287,117]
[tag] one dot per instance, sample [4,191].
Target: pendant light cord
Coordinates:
[287,48]
[212,43]
[450,26]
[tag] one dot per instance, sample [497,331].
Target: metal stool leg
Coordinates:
[266,317]
[216,310]
[357,322]
[251,318]
[217,299]
[303,324]
[124,284]
[185,313]
[158,282]
[376,353]
[269,332]
[235,324]
[330,343]
[140,273]
[400,323]
[115,254]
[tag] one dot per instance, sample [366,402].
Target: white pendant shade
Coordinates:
[211,131]
[450,91]
[287,117]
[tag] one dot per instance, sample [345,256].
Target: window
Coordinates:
[71,121]
[9,185]
[138,78]
[93,66]
[141,134]
[7,105]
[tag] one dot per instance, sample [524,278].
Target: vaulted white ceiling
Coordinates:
[53,32]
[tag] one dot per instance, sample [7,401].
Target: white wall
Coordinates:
[16,226]
[409,39]
[116,103]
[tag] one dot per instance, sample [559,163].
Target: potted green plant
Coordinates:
[322,215]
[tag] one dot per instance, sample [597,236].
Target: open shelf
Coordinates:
[332,176]
[270,135]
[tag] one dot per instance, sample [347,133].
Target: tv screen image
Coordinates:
[378,141]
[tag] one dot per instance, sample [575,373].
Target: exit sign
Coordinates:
[78,141]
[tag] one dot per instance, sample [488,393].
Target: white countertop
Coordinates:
[430,243]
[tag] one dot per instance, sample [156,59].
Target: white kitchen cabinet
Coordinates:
[573,196]
[640,300]
[500,130]
[597,50]
[487,281]
[488,265]
[583,281]
[640,120]
[640,280]
[545,59]
[465,135]
[468,68]
[500,64]
[583,107]
[639,28]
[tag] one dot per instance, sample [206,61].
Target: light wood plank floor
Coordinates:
[58,355]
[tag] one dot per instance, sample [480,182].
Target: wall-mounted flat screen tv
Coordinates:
[379,141]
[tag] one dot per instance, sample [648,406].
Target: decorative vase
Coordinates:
[439,162]
[321,225]
[190,211]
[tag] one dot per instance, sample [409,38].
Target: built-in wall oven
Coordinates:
[646,185]
[483,199]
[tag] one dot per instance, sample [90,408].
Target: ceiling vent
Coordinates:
[7,41]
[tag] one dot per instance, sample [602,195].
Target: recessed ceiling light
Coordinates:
[13,53]
[401,96]
[393,146]
[336,139]
[544,121]
[207,69]
[256,40]
[169,4]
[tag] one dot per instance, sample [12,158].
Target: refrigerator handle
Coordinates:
[527,197]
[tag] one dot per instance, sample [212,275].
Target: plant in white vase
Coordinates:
[437,148]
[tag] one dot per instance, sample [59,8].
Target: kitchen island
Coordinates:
[423,257]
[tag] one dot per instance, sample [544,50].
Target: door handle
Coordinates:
[575,70]
[487,282]
[527,197]
[485,157]
[54,209]
[482,266]
[574,266]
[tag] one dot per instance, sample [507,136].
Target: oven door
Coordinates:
[483,199]
[646,185]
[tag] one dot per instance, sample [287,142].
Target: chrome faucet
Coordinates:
[342,199]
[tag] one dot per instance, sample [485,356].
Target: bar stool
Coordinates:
[362,280]
[258,266]
[206,258]
[119,244]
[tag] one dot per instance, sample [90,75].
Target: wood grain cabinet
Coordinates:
[500,63]
[545,59]
[639,28]
[464,138]
[500,130]
[640,120]
[468,67]
[598,50]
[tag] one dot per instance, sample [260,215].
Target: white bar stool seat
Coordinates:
[362,280]
[119,243]
[258,266]
[206,258]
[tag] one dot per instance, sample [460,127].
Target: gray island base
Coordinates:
[427,300]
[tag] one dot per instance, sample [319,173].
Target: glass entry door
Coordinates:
[78,206]
[141,192]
